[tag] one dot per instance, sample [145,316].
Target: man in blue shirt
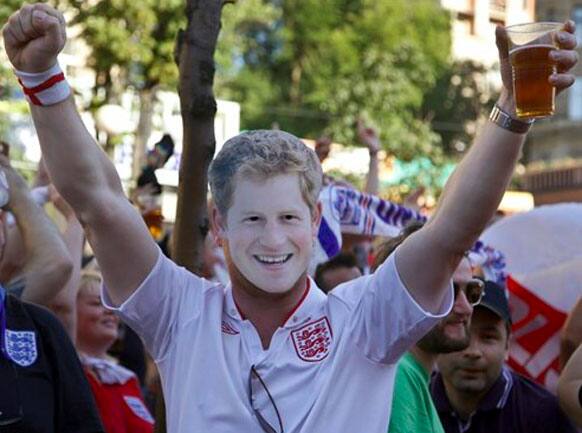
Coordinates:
[475,392]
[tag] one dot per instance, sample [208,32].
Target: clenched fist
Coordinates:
[33,37]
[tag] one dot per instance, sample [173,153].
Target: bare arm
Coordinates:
[369,137]
[47,265]
[64,305]
[569,387]
[427,259]
[79,169]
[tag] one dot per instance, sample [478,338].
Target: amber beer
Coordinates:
[532,67]
[155,222]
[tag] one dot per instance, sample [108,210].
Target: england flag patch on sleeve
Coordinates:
[21,347]
[138,408]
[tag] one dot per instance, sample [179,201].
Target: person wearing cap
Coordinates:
[475,391]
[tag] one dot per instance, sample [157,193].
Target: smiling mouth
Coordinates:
[273,260]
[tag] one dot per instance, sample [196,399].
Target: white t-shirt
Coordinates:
[329,369]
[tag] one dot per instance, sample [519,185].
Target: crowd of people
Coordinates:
[410,336]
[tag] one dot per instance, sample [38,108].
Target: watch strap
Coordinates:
[505,121]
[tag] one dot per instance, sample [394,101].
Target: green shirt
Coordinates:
[412,408]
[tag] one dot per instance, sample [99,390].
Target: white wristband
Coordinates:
[44,88]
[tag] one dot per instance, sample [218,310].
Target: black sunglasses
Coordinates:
[474,290]
[270,416]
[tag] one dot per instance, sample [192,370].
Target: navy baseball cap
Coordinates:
[495,300]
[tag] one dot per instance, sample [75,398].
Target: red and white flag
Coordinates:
[543,253]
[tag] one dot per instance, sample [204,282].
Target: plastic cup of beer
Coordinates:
[529,52]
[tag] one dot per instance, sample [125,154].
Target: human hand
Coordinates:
[33,37]
[565,58]
[368,136]
[322,147]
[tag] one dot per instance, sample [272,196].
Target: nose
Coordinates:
[272,235]
[462,307]
[474,350]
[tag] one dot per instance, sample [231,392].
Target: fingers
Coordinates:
[562,81]
[60,19]
[26,23]
[48,25]
[32,22]
[570,27]
[565,59]
[14,30]
[566,40]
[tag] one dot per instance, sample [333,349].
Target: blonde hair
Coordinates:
[89,276]
[263,154]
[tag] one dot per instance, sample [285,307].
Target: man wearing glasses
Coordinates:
[268,352]
[412,406]
[475,392]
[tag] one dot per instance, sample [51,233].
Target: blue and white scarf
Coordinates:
[347,210]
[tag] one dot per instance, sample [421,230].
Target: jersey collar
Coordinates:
[496,397]
[303,311]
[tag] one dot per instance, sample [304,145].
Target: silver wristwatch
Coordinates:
[505,121]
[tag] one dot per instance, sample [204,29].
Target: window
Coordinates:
[575,100]
[577,17]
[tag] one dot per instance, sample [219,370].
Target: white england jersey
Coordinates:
[329,369]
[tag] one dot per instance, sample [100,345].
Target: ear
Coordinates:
[316,219]
[217,225]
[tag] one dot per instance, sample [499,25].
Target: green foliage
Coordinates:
[312,65]
[7,8]
[134,38]
[455,102]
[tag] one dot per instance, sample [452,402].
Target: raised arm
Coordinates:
[428,258]
[47,264]
[79,169]
[64,305]
[369,137]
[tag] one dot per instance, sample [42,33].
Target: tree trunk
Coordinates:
[195,58]
[147,98]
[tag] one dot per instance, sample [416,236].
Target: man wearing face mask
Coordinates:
[269,351]
[475,392]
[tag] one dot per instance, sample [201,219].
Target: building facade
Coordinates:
[553,153]
[474,23]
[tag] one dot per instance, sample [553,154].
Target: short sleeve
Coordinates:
[385,320]
[169,296]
